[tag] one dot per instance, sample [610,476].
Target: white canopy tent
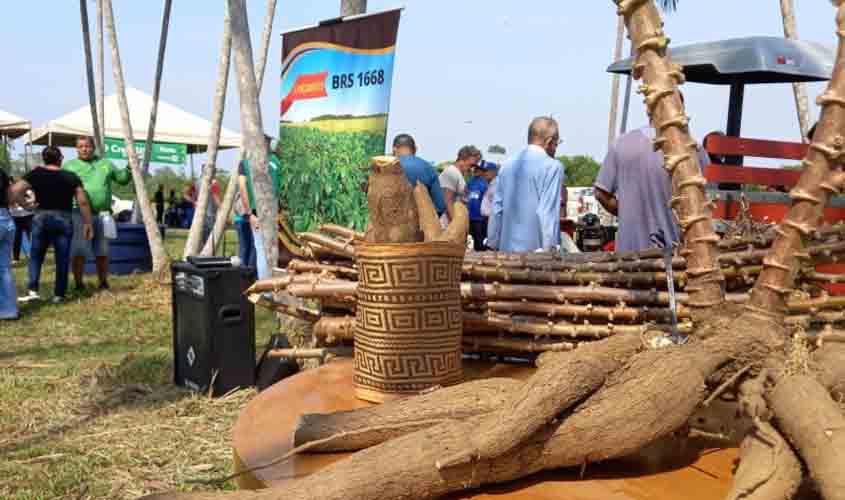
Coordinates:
[12,126]
[173,125]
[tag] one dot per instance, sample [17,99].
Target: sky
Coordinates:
[466,71]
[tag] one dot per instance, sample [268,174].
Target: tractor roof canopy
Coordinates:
[759,59]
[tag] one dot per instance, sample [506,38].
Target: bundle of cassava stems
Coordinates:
[525,304]
[612,396]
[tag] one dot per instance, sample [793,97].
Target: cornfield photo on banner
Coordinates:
[323,172]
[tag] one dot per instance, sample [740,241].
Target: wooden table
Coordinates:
[666,471]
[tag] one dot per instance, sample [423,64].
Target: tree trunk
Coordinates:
[148,149]
[89,73]
[790,31]
[253,130]
[210,246]
[666,110]
[615,83]
[101,77]
[819,180]
[160,259]
[261,63]
[162,47]
[352,7]
[192,246]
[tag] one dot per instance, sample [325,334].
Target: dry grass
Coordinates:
[87,405]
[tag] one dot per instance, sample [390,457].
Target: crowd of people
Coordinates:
[515,208]
[58,205]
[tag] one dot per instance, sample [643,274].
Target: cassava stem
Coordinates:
[666,109]
[821,177]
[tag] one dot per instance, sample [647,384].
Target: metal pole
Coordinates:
[614,83]
[734,126]
[628,84]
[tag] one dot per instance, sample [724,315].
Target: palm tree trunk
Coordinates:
[253,130]
[194,236]
[660,78]
[821,178]
[790,31]
[101,77]
[160,259]
[614,87]
[148,150]
[216,237]
[89,73]
[352,7]
[162,46]
[265,44]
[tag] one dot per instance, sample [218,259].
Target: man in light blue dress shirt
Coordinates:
[527,201]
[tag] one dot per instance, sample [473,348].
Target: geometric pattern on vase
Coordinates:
[409,319]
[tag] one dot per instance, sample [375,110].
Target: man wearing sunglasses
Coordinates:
[526,204]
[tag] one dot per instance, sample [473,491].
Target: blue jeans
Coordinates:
[8,292]
[51,227]
[246,247]
[261,267]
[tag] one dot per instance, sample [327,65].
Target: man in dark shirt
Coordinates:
[55,190]
[159,199]
[417,169]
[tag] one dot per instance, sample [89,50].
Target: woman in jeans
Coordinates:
[23,225]
[8,294]
[54,190]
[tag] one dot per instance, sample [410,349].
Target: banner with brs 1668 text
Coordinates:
[335,99]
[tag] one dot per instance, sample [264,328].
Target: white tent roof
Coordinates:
[12,126]
[172,125]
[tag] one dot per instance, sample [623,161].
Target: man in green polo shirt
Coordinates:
[97,176]
[249,207]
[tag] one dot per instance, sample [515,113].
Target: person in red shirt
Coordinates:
[214,202]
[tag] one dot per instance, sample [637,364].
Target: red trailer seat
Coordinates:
[771,207]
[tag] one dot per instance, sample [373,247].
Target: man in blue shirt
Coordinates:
[526,205]
[476,189]
[417,169]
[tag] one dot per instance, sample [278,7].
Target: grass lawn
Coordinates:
[87,404]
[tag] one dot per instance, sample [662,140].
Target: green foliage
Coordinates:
[581,170]
[167,177]
[440,167]
[322,174]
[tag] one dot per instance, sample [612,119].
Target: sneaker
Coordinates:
[29,297]
[104,286]
[57,300]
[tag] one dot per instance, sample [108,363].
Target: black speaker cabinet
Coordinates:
[213,327]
